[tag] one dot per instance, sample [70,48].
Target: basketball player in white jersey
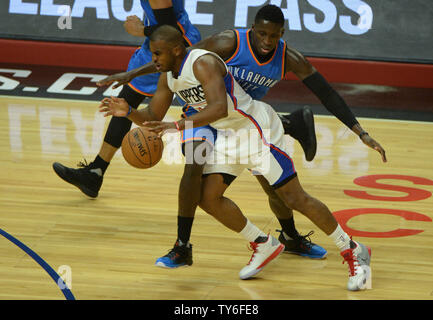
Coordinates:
[202,78]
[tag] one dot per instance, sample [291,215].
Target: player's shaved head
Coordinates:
[168,48]
[168,34]
[270,13]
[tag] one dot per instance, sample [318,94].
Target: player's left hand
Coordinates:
[122,78]
[369,141]
[159,127]
[134,26]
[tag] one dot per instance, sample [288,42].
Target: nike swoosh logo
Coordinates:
[97,171]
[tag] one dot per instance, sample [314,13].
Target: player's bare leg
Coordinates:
[355,254]
[294,242]
[107,152]
[265,247]
[188,199]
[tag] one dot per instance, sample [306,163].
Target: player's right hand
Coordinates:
[159,127]
[121,78]
[117,107]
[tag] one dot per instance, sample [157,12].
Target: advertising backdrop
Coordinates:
[380,30]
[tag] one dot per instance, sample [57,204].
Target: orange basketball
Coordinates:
[142,148]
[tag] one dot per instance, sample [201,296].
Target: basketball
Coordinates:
[141,148]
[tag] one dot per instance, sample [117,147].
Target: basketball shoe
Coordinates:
[263,253]
[179,256]
[302,246]
[300,125]
[358,259]
[86,178]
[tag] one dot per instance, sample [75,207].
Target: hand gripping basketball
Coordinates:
[142,148]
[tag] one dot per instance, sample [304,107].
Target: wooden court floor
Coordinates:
[105,248]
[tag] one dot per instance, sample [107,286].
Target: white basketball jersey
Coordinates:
[252,134]
[189,89]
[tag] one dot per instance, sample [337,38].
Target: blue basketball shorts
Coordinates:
[205,133]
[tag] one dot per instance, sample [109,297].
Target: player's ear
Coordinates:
[282,32]
[177,50]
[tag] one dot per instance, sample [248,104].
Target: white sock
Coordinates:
[251,232]
[181,243]
[98,171]
[341,238]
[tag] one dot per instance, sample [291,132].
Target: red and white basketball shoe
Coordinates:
[358,259]
[263,253]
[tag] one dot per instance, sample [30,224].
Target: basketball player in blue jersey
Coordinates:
[258,58]
[89,178]
[228,108]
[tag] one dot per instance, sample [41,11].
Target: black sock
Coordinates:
[184,226]
[288,226]
[100,163]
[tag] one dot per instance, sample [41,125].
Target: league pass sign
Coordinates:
[358,29]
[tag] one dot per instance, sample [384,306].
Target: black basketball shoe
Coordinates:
[179,256]
[86,178]
[300,125]
[302,246]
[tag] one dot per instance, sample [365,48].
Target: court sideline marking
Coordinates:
[59,281]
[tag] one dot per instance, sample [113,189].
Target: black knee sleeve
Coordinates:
[119,126]
[117,129]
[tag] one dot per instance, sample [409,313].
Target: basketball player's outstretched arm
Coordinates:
[223,44]
[299,65]
[123,78]
[210,72]
[155,111]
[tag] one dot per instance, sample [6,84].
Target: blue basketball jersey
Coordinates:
[146,85]
[255,78]
[190,33]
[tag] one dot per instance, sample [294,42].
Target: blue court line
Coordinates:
[62,286]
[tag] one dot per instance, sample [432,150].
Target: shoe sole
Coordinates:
[59,172]
[162,265]
[309,122]
[306,255]
[271,258]
[367,269]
